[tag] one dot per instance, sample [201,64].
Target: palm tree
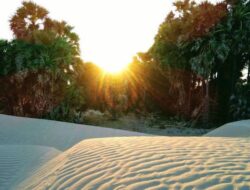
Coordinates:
[27,19]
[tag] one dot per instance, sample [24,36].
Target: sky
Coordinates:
[111,31]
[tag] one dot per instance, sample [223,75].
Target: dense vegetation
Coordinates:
[39,67]
[192,71]
[202,50]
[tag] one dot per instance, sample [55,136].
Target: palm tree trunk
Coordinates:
[248,74]
[206,105]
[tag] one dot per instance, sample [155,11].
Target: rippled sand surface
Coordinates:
[17,162]
[151,163]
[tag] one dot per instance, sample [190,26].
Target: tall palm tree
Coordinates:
[27,19]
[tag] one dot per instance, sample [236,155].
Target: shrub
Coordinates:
[94,117]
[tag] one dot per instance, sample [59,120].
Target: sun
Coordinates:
[111,56]
[113,68]
[113,64]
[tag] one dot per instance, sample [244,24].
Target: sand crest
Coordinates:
[59,135]
[234,129]
[138,163]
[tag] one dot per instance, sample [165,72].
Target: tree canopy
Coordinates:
[39,67]
[203,49]
[193,70]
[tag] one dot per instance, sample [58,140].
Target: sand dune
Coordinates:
[59,135]
[31,158]
[148,163]
[234,129]
[26,144]
[17,162]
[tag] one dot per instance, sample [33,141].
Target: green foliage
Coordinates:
[224,53]
[40,74]
[32,23]
[71,107]
[173,50]
[240,102]
[209,44]
[228,39]
[17,56]
[39,68]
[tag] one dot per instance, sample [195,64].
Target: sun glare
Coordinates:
[113,68]
[111,32]
[113,63]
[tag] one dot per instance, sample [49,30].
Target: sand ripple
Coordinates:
[17,162]
[153,163]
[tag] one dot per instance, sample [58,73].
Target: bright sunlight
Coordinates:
[113,67]
[111,32]
[114,64]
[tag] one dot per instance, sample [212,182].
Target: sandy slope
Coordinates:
[30,155]
[234,129]
[148,163]
[60,135]
[17,162]
[19,157]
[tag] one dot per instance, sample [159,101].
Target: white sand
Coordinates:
[234,129]
[153,163]
[60,135]
[26,144]
[31,158]
[17,162]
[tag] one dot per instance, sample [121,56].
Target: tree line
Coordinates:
[193,70]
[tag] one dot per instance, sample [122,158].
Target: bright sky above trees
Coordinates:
[111,31]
